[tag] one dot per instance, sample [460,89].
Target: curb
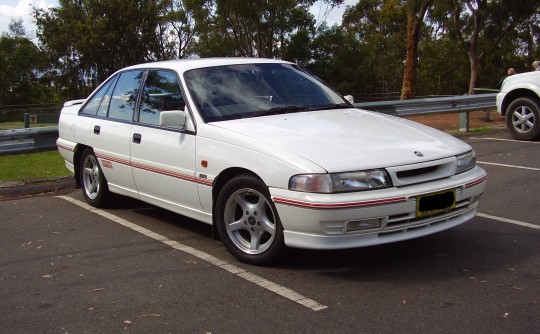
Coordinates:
[27,188]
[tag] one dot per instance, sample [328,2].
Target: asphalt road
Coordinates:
[134,268]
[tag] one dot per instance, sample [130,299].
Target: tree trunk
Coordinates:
[409,72]
[414,24]
[474,58]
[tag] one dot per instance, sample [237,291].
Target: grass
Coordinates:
[473,130]
[34,166]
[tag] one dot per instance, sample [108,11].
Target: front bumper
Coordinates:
[324,221]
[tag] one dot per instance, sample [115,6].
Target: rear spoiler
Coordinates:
[74,102]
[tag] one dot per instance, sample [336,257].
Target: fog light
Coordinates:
[354,225]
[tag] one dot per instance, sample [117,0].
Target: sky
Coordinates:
[23,9]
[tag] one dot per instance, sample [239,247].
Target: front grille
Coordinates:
[422,172]
[416,172]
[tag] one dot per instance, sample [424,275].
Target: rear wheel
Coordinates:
[94,184]
[523,117]
[247,221]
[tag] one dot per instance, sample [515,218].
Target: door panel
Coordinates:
[163,163]
[112,148]
[163,158]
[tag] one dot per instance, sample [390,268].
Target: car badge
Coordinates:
[418,153]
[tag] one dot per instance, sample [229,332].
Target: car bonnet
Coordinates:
[345,139]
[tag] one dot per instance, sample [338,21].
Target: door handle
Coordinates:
[97,129]
[137,138]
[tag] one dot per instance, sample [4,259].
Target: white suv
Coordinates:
[519,102]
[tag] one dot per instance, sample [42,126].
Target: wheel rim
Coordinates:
[91,177]
[250,221]
[523,119]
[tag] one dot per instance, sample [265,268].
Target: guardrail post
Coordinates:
[26,120]
[464,122]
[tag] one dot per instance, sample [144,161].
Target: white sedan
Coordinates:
[268,154]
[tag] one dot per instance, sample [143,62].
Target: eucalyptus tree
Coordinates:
[21,67]
[258,28]
[482,26]
[87,40]
[416,11]
[381,26]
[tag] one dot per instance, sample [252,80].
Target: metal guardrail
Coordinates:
[28,140]
[44,138]
[438,105]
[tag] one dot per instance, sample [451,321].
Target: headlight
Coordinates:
[340,182]
[465,162]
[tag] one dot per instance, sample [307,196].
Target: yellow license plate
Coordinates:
[431,204]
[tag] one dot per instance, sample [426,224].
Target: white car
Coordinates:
[268,154]
[519,102]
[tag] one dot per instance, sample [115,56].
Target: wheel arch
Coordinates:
[515,94]
[77,154]
[218,185]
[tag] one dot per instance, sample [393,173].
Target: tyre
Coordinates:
[247,221]
[93,182]
[523,117]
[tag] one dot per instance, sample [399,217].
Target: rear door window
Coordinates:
[100,100]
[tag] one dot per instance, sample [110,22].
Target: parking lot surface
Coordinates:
[135,268]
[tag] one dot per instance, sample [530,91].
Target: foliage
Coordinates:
[342,61]
[380,26]
[20,66]
[258,28]
[88,40]
[481,27]
[422,47]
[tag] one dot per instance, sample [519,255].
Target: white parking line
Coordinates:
[509,221]
[510,140]
[511,166]
[260,281]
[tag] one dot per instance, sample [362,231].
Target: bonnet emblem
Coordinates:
[418,153]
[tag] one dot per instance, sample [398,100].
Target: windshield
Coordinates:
[240,91]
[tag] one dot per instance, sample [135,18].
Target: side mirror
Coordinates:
[349,98]
[172,118]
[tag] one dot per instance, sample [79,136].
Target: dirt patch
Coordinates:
[450,122]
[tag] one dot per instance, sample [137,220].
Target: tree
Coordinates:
[342,61]
[416,11]
[380,25]
[20,67]
[481,25]
[181,22]
[258,28]
[16,29]
[87,40]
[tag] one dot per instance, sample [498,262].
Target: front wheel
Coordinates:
[94,184]
[522,118]
[247,221]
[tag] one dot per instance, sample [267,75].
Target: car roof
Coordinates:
[183,65]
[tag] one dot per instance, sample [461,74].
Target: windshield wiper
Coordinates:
[329,106]
[279,110]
